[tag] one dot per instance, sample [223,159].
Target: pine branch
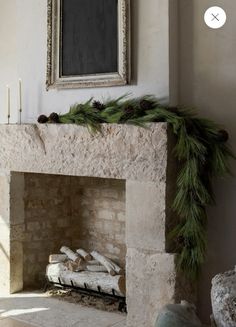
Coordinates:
[201,150]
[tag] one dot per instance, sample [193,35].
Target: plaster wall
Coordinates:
[23,54]
[8,55]
[207,68]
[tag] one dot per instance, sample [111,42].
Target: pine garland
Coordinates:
[200,149]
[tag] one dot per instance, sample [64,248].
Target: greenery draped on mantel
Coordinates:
[200,148]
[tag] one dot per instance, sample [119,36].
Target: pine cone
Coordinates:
[129,110]
[146,105]
[223,136]
[42,119]
[54,118]
[98,105]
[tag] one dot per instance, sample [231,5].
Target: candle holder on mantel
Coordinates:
[20,111]
[20,98]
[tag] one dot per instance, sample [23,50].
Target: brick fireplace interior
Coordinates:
[78,212]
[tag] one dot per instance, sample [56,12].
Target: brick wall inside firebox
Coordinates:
[73,211]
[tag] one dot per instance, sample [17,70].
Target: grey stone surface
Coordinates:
[223,297]
[38,310]
[4,198]
[121,151]
[17,188]
[151,283]
[9,322]
[4,233]
[16,266]
[145,215]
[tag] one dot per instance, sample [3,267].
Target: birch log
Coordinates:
[55,258]
[96,268]
[94,263]
[111,267]
[75,266]
[85,255]
[92,280]
[70,254]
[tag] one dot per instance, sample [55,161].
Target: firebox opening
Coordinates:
[78,212]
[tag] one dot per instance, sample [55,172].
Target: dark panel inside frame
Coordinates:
[89,37]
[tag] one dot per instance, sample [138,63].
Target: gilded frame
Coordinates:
[54,80]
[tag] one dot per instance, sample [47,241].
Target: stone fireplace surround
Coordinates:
[142,158]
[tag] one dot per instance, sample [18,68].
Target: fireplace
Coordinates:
[111,192]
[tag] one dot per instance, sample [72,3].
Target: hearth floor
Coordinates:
[37,310]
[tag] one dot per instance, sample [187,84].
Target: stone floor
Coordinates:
[37,310]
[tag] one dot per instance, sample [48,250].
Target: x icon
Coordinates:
[215,17]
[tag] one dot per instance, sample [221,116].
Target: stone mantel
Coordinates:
[121,151]
[141,157]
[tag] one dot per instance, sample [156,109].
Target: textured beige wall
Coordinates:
[4,233]
[208,82]
[8,55]
[27,56]
[72,211]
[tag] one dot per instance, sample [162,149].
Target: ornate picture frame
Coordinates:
[55,77]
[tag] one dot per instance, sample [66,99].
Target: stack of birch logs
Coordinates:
[86,270]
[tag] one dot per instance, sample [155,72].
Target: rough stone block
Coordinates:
[16,267]
[4,266]
[106,214]
[119,152]
[151,284]
[121,216]
[17,189]
[111,194]
[4,198]
[17,232]
[33,226]
[63,223]
[145,215]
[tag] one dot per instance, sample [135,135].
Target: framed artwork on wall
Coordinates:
[88,43]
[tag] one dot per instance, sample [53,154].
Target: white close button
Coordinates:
[215,17]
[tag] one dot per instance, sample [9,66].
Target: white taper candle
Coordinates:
[20,98]
[8,103]
[20,94]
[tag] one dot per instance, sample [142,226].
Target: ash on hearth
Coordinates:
[100,303]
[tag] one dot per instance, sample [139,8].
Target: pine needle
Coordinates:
[200,153]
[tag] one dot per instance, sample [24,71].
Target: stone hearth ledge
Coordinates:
[140,156]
